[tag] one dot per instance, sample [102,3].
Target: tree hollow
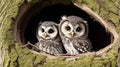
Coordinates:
[101,33]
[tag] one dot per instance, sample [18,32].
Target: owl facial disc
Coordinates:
[47,32]
[71,31]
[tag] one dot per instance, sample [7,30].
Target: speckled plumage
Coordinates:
[79,42]
[52,43]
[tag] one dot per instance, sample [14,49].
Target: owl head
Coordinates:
[47,30]
[73,26]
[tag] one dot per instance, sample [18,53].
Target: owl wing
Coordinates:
[68,45]
[57,48]
[38,46]
[50,47]
[82,45]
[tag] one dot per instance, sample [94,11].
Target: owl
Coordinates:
[74,32]
[48,37]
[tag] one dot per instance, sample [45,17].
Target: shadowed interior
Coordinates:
[97,33]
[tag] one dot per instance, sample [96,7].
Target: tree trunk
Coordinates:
[16,15]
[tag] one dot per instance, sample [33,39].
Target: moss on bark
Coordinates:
[15,56]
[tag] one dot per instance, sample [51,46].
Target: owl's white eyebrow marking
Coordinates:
[85,22]
[64,17]
[48,28]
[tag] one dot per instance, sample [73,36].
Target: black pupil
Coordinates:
[68,28]
[51,31]
[78,29]
[42,30]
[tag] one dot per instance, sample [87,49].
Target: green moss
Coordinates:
[21,51]
[110,57]
[13,55]
[113,63]
[106,60]
[111,5]
[9,11]
[106,63]
[113,53]
[91,4]
[30,60]
[106,9]
[103,13]
[118,28]
[83,61]
[13,58]
[27,58]
[39,58]
[112,10]
[9,35]
[54,63]
[23,57]
[97,62]
[8,43]
[114,18]
[113,56]
[6,60]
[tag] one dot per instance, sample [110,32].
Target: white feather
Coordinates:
[70,49]
[85,22]
[64,17]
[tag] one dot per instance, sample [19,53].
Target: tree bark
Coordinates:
[12,55]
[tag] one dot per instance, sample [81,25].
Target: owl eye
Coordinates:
[68,28]
[42,30]
[50,31]
[78,29]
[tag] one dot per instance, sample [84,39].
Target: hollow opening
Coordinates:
[98,35]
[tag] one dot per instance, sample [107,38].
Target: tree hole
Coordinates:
[27,24]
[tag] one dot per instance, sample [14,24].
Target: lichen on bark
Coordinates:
[15,56]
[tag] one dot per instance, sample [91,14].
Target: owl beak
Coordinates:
[45,35]
[72,34]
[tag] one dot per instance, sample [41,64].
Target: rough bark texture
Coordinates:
[12,55]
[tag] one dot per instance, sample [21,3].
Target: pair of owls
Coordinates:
[69,36]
